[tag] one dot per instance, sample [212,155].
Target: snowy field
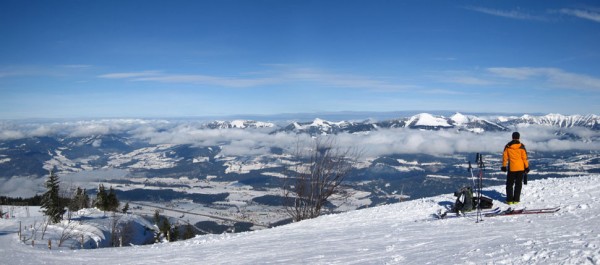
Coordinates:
[402,233]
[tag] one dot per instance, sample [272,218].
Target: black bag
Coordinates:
[484,203]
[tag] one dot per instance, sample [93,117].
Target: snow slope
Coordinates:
[402,233]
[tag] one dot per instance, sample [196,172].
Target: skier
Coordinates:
[514,161]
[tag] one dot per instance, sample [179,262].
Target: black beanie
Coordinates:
[516,135]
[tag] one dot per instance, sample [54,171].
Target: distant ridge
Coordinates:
[457,121]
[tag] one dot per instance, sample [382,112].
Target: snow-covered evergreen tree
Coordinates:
[106,201]
[51,205]
[80,200]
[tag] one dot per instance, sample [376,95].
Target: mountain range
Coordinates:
[457,121]
[242,164]
[425,121]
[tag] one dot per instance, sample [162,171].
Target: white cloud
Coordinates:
[462,77]
[28,186]
[469,80]
[21,186]
[129,75]
[585,14]
[77,66]
[250,142]
[279,74]
[521,73]
[210,80]
[238,142]
[341,80]
[512,14]
[553,77]
[88,129]
[18,130]
[11,135]
[36,70]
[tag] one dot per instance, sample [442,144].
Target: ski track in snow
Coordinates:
[401,233]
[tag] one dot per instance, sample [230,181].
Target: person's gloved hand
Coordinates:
[503,169]
[526,170]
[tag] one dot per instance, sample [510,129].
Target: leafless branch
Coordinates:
[317,175]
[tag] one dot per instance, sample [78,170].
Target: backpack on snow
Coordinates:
[464,200]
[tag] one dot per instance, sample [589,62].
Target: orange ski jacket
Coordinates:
[515,156]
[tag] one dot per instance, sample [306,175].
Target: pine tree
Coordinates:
[86,200]
[82,199]
[156,217]
[51,200]
[175,233]
[101,198]
[112,202]
[78,200]
[188,232]
[165,228]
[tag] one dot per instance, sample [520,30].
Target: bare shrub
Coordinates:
[321,168]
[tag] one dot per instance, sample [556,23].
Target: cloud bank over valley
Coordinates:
[257,141]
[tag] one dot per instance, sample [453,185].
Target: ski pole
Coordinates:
[471,170]
[479,159]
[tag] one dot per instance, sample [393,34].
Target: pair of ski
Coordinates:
[511,211]
[449,214]
[497,212]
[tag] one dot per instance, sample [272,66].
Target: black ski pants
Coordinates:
[514,183]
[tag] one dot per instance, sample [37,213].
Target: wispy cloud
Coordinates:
[437,91]
[130,75]
[470,80]
[463,78]
[445,59]
[24,71]
[5,73]
[197,79]
[511,14]
[281,74]
[210,80]
[77,66]
[551,76]
[342,80]
[580,13]
[42,70]
[520,73]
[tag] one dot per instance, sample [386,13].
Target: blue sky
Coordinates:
[89,59]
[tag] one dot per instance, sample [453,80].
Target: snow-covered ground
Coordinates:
[402,233]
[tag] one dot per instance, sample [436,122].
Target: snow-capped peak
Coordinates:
[320,122]
[459,118]
[426,119]
[240,124]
